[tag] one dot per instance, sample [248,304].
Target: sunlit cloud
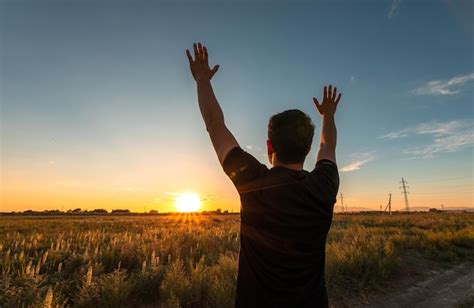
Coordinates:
[393,8]
[451,86]
[450,136]
[359,159]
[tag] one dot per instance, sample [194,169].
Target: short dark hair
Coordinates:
[291,134]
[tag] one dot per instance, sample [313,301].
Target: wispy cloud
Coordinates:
[451,86]
[394,135]
[450,136]
[359,159]
[393,8]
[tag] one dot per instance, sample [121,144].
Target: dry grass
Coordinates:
[192,260]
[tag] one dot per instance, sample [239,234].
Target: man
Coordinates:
[286,212]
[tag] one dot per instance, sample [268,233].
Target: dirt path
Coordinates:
[442,289]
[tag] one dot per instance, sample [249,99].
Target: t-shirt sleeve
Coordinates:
[243,169]
[325,178]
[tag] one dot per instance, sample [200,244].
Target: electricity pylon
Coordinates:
[342,204]
[405,193]
[389,205]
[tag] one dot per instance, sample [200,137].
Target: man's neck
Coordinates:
[297,166]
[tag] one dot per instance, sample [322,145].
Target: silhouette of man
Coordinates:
[286,212]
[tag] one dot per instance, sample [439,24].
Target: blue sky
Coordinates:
[98,105]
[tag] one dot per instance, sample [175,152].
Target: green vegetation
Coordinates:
[191,260]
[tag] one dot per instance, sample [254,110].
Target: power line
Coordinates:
[444,192]
[444,180]
[447,185]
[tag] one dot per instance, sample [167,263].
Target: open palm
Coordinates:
[329,103]
[200,65]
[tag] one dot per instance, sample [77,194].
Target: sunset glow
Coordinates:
[188,202]
[102,115]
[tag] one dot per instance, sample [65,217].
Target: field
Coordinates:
[191,260]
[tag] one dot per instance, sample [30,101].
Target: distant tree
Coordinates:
[226,212]
[120,211]
[153,212]
[218,211]
[51,211]
[78,210]
[99,211]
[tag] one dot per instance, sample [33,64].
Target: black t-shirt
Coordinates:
[285,217]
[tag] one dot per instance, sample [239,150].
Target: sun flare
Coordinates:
[188,202]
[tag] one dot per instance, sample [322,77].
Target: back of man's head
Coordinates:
[291,134]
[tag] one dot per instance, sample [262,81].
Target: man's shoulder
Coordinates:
[243,168]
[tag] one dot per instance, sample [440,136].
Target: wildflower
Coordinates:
[28,267]
[48,300]
[45,256]
[88,281]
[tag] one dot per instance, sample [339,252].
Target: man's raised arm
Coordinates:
[327,109]
[222,139]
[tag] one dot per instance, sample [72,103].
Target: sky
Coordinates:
[99,109]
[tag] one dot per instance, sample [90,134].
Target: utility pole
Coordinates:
[381,208]
[405,193]
[342,203]
[442,207]
[389,204]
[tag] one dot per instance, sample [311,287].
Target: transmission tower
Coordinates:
[389,205]
[405,193]
[342,204]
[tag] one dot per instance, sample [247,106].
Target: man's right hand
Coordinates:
[329,103]
[200,65]
[327,147]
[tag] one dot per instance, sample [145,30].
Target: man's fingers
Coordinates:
[334,93]
[338,98]
[325,93]
[205,55]
[201,53]
[317,104]
[315,100]
[330,92]
[190,58]
[214,70]
[196,52]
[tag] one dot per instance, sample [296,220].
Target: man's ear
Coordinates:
[270,151]
[269,147]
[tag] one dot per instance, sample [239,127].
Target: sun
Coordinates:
[188,202]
